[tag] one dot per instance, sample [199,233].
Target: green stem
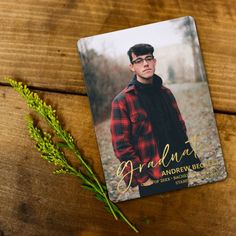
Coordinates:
[71,145]
[125,219]
[77,153]
[78,174]
[100,192]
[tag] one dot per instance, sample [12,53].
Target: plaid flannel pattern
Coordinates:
[132,135]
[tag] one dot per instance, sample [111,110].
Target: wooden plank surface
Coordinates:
[35,202]
[38,39]
[38,46]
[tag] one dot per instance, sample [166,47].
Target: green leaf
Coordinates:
[100,197]
[88,187]
[62,145]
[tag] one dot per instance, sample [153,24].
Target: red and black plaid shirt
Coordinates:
[133,137]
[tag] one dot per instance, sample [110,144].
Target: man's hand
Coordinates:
[148,182]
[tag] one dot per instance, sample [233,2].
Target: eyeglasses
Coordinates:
[140,61]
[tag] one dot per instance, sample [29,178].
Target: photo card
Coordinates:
[151,109]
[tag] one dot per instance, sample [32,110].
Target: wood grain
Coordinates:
[38,46]
[38,39]
[33,201]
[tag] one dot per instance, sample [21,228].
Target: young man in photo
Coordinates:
[148,130]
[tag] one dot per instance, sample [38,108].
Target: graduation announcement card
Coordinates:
[151,108]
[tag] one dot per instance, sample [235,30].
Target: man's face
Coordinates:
[143,66]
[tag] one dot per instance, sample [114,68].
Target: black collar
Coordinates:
[157,81]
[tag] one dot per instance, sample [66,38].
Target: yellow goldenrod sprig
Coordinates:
[52,152]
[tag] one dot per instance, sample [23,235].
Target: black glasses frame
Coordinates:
[141,60]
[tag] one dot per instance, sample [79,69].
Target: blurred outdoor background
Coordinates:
[179,64]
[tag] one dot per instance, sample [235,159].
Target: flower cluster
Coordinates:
[52,151]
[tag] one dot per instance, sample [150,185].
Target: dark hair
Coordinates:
[140,49]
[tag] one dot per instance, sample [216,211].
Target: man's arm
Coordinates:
[121,141]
